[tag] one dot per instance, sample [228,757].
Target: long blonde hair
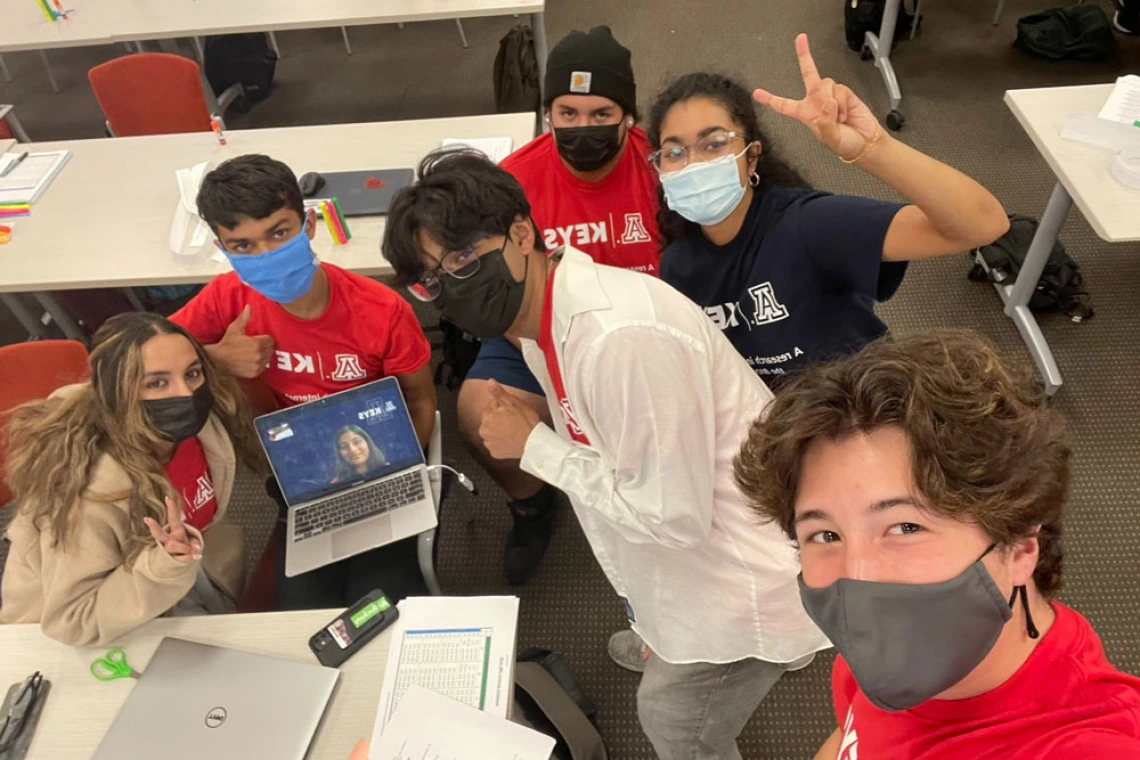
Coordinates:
[55,443]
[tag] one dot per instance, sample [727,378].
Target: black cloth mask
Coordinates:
[180,419]
[588,149]
[487,303]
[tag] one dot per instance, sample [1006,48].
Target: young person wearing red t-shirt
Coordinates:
[307,329]
[924,481]
[593,188]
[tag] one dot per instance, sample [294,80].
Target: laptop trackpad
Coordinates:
[362,537]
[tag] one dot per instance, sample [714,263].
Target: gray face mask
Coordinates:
[907,643]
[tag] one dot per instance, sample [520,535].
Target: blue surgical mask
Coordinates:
[704,193]
[282,275]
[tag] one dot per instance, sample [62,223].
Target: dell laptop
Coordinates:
[352,473]
[196,701]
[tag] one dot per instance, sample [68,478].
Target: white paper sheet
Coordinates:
[494,148]
[429,726]
[1123,103]
[460,647]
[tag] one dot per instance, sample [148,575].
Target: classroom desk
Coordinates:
[79,709]
[99,22]
[105,220]
[1083,178]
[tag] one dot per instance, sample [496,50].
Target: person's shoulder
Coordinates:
[530,158]
[357,285]
[1096,743]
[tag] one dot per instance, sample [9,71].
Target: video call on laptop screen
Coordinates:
[338,442]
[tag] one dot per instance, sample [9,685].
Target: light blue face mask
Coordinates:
[705,193]
[282,275]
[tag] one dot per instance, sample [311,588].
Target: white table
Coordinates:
[99,22]
[79,709]
[105,220]
[1112,210]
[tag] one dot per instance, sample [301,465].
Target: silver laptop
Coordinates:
[197,701]
[352,472]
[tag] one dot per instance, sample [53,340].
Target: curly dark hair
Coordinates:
[986,447]
[737,101]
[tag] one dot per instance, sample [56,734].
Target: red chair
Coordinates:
[30,371]
[155,94]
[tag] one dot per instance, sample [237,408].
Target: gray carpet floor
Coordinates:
[953,77]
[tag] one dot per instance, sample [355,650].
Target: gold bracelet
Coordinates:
[867,148]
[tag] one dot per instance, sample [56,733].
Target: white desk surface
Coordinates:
[79,708]
[1112,209]
[105,220]
[96,22]
[6,144]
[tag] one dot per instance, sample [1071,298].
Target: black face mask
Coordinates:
[487,303]
[182,418]
[588,149]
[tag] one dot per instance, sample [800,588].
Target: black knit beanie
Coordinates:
[591,63]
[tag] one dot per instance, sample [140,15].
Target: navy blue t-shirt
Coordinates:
[798,283]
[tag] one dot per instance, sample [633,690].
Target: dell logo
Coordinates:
[215,717]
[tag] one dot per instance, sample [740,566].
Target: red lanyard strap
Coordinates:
[546,343]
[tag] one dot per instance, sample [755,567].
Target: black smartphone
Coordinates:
[353,628]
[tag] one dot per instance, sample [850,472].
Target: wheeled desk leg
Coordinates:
[51,74]
[878,47]
[1017,296]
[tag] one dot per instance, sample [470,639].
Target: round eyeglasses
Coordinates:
[459,264]
[675,157]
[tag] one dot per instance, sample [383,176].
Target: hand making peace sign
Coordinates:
[833,113]
[174,538]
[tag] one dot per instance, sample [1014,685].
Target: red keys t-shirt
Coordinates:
[367,332]
[189,473]
[614,220]
[1066,702]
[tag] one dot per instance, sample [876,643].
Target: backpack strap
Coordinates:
[576,730]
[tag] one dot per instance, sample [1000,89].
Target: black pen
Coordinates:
[19,160]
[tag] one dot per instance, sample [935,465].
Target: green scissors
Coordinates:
[112,666]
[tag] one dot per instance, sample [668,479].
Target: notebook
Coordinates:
[30,178]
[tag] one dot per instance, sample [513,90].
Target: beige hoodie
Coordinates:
[86,593]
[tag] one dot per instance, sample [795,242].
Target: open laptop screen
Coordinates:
[340,441]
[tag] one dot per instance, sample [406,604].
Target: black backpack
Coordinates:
[1082,32]
[1060,287]
[459,351]
[548,695]
[862,16]
[516,72]
[245,59]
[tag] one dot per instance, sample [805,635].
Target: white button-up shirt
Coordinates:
[665,402]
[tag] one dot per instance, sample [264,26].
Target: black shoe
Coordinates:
[530,534]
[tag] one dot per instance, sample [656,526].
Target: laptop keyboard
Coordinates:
[338,511]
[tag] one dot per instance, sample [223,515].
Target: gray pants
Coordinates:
[695,712]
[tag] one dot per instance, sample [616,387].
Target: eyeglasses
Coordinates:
[674,158]
[459,264]
[20,709]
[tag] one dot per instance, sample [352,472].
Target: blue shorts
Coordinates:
[500,361]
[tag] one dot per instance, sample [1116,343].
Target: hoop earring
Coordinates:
[754,179]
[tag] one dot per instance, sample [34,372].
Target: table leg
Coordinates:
[4,69]
[1017,296]
[201,50]
[60,316]
[880,47]
[462,34]
[274,45]
[26,319]
[538,27]
[347,44]
[51,74]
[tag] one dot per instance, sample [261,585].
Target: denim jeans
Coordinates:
[696,711]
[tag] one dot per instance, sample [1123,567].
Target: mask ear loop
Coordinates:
[1030,628]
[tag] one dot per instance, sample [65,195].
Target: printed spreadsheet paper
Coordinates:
[460,647]
[429,726]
